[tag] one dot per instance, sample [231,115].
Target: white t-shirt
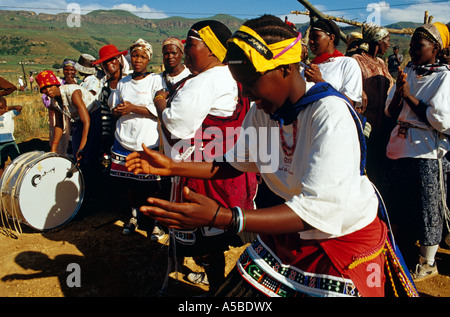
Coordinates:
[344,74]
[7,126]
[212,92]
[173,80]
[321,182]
[134,129]
[423,141]
[91,82]
[68,108]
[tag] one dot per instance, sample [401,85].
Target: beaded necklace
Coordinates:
[289,150]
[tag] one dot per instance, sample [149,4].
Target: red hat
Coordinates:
[107,52]
[47,78]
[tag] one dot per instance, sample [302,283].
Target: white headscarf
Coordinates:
[142,45]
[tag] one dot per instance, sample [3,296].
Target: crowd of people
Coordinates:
[350,134]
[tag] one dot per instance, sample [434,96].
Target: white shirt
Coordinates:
[321,182]
[134,129]
[7,126]
[91,82]
[212,92]
[173,80]
[423,141]
[68,108]
[344,74]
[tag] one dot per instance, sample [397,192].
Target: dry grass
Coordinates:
[33,121]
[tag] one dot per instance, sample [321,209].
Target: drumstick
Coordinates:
[69,173]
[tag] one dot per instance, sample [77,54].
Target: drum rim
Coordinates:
[16,188]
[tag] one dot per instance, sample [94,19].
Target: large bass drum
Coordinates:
[41,190]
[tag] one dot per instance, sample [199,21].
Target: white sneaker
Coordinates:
[198,278]
[131,226]
[424,271]
[157,233]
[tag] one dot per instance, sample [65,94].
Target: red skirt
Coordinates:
[285,265]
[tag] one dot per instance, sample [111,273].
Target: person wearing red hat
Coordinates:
[115,67]
[80,106]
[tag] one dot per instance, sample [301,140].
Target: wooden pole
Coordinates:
[354,23]
[316,13]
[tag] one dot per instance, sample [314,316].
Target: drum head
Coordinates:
[46,197]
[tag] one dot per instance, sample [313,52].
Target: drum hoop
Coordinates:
[15,189]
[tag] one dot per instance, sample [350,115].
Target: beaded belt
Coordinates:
[263,270]
[118,169]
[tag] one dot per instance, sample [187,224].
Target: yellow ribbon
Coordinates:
[213,42]
[265,56]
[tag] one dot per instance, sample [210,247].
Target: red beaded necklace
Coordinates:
[289,150]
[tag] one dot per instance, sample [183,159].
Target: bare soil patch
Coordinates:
[37,264]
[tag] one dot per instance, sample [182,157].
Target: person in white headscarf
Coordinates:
[137,124]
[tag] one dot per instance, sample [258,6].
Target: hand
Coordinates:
[402,84]
[80,154]
[313,74]
[123,108]
[194,214]
[149,162]
[163,93]
[70,80]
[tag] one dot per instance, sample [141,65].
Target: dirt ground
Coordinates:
[40,264]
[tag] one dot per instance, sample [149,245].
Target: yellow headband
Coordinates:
[443,31]
[266,57]
[213,42]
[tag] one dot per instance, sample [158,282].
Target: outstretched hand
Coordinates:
[149,162]
[198,212]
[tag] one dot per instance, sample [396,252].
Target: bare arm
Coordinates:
[59,126]
[153,162]
[201,212]
[84,116]
[395,106]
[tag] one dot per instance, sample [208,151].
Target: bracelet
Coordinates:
[237,222]
[213,219]
[158,97]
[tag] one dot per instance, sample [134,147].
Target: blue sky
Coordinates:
[383,12]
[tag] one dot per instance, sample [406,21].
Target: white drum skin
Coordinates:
[37,191]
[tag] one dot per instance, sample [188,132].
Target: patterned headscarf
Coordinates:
[436,33]
[372,32]
[47,78]
[173,41]
[142,45]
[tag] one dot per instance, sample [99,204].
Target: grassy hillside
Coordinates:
[42,41]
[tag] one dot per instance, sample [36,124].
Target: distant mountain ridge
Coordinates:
[46,39]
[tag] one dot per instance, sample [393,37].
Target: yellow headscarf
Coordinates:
[265,56]
[443,31]
[213,43]
[436,32]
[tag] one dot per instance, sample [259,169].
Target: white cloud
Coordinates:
[60,6]
[415,13]
[144,12]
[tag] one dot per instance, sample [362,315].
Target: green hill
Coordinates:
[41,41]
